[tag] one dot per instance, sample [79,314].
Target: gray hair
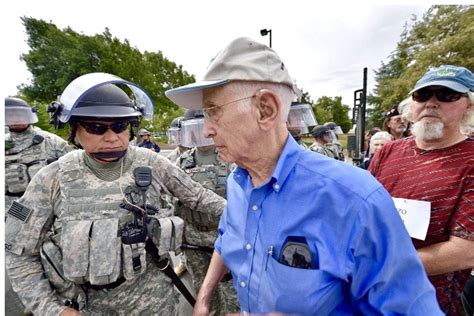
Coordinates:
[243,89]
[382,135]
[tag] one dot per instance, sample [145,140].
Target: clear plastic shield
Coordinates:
[82,85]
[301,116]
[174,136]
[338,130]
[192,133]
[19,115]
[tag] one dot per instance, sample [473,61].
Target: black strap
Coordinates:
[164,265]
[109,286]
[205,249]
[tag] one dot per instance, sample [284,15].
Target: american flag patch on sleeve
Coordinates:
[19,212]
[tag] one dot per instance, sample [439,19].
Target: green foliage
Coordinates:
[330,109]
[445,35]
[56,57]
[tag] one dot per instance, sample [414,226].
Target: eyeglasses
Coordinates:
[100,129]
[443,95]
[214,113]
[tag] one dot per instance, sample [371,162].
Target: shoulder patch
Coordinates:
[19,212]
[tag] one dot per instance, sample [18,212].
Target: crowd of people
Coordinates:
[262,222]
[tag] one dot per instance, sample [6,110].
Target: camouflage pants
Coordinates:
[225,297]
[151,294]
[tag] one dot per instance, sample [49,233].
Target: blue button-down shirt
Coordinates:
[362,258]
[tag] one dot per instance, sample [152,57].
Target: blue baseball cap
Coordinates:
[457,78]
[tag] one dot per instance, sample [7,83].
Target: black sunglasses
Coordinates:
[100,129]
[443,95]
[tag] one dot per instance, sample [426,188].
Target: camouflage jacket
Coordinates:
[23,158]
[85,215]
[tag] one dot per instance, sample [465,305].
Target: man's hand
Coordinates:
[70,312]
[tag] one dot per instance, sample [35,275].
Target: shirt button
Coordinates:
[248,246]
[243,284]
[255,207]
[276,187]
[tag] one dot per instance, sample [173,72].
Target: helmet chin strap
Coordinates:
[104,156]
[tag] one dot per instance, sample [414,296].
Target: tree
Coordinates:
[443,36]
[56,57]
[332,109]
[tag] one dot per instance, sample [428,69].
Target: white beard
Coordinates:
[428,130]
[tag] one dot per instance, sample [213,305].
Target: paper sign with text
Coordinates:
[415,215]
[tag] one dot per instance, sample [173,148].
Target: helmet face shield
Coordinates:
[83,85]
[332,136]
[301,116]
[174,136]
[338,130]
[19,115]
[192,133]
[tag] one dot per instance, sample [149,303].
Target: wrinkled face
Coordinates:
[233,127]
[110,141]
[434,117]
[376,144]
[398,124]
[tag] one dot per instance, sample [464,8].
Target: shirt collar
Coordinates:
[286,162]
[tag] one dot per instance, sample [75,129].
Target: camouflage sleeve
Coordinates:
[190,193]
[25,229]
[59,146]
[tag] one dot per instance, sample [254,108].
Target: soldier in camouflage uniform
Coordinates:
[27,148]
[203,164]
[174,138]
[322,141]
[300,119]
[69,237]
[335,145]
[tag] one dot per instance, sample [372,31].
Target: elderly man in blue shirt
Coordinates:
[302,233]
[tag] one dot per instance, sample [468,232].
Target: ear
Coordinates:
[269,108]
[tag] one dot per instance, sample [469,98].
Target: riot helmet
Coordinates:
[301,117]
[174,132]
[320,130]
[334,127]
[99,96]
[192,130]
[18,112]
[143,132]
[96,95]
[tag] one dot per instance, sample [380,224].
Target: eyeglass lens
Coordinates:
[100,129]
[443,95]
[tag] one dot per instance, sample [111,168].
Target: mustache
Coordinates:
[431,113]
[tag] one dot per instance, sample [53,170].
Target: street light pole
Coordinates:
[264,32]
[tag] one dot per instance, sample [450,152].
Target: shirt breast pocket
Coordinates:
[292,290]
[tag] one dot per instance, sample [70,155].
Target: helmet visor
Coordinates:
[338,130]
[192,133]
[19,115]
[83,85]
[174,136]
[301,115]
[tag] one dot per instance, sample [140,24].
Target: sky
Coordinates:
[324,46]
